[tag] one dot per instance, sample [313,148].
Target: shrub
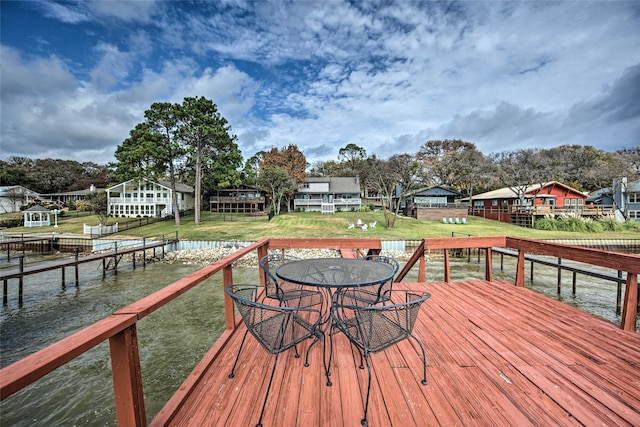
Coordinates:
[547,223]
[610,223]
[631,225]
[593,226]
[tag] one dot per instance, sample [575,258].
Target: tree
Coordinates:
[139,155]
[162,119]
[519,169]
[393,179]
[292,161]
[98,204]
[440,160]
[473,170]
[251,169]
[277,182]
[206,133]
[352,156]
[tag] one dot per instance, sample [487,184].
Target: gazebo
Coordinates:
[37,216]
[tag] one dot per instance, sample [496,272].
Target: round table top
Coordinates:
[335,272]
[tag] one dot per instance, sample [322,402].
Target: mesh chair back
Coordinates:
[376,327]
[276,288]
[276,328]
[371,294]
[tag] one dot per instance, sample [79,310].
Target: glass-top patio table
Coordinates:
[331,274]
[335,273]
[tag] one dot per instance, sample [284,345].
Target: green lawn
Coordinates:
[312,224]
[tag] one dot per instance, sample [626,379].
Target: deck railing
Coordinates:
[120,328]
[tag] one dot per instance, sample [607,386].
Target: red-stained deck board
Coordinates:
[496,355]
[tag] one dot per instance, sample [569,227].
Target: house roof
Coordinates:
[76,192]
[180,188]
[338,184]
[436,190]
[8,188]
[508,193]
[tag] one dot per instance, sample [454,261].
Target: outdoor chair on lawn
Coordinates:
[277,328]
[289,294]
[373,328]
[371,294]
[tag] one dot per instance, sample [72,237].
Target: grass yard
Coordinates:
[313,224]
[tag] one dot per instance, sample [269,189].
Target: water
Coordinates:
[173,339]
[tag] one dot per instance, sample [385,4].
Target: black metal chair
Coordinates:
[373,328]
[289,294]
[277,328]
[371,294]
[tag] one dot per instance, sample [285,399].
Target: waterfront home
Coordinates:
[434,203]
[623,196]
[239,199]
[140,198]
[328,195]
[537,200]
[72,196]
[14,197]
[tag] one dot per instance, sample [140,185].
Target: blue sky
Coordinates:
[387,76]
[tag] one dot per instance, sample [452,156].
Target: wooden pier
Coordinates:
[110,260]
[497,354]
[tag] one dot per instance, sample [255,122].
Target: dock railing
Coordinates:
[120,328]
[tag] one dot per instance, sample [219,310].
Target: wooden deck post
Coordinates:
[630,308]
[422,268]
[229,315]
[520,269]
[488,267]
[127,378]
[447,267]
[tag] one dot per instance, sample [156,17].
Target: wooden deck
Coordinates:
[497,354]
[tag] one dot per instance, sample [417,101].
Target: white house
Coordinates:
[135,198]
[13,197]
[328,194]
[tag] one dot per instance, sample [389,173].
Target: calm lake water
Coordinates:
[173,339]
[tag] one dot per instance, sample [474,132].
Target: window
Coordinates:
[305,185]
[634,215]
[479,203]
[494,203]
[634,197]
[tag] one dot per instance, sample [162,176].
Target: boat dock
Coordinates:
[497,354]
[110,260]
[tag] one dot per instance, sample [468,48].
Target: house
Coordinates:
[239,199]
[328,195]
[14,197]
[505,205]
[434,203]
[623,197]
[72,196]
[139,198]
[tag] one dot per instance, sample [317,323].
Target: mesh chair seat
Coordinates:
[276,328]
[373,328]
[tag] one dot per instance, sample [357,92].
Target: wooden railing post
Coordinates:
[630,308]
[520,269]
[447,267]
[229,315]
[127,378]
[488,266]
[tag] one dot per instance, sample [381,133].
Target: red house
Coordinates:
[522,208]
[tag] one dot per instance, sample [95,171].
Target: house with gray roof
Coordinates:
[147,198]
[14,197]
[328,195]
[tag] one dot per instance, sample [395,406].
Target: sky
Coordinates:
[76,77]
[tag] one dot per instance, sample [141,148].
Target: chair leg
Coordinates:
[364,421]
[231,375]
[327,365]
[424,361]
[266,396]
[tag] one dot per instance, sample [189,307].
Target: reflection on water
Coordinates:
[174,338]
